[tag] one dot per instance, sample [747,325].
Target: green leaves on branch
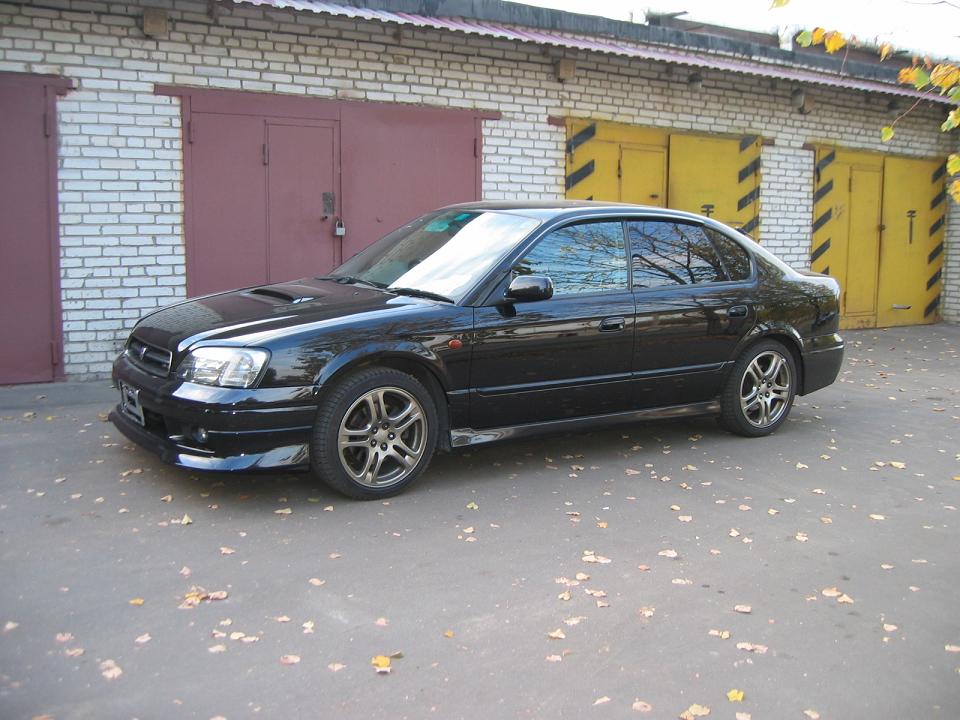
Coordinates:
[830,39]
[886,133]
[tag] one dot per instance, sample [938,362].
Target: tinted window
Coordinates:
[735,258]
[584,258]
[670,253]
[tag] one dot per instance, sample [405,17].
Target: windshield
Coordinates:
[445,253]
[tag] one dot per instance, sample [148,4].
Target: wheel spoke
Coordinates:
[405,425]
[373,472]
[776,362]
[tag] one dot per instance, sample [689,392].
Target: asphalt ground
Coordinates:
[840,534]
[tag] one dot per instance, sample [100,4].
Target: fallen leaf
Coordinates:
[335,667]
[745,609]
[565,595]
[448,633]
[735,695]
[472,506]
[553,658]
[575,620]
[722,634]
[382,622]
[751,647]
[672,554]
[877,517]
[812,714]
[334,556]
[282,619]
[167,498]
[328,508]
[316,582]
[381,663]
[830,592]
[218,595]
[10,625]
[110,670]
[217,649]
[647,612]
[307,627]
[889,627]
[64,637]
[601,700]
[582,576]
[137,601]
[684,518]
[557,634]
[801,466]
[898,465]
[289,659]
[186,520]
[695,711]
[682,581]
[952,648]
[602,524]
[283,511]
[846,599]
[143,639]
[641,706]
[227,551]
[590,557]
[743,716]
[801,537]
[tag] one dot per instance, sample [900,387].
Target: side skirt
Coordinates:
[462,437]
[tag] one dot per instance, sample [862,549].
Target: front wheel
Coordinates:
[760,390]
[374,434]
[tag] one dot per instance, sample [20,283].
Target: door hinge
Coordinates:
[266,154]
[620,168]
[476,148]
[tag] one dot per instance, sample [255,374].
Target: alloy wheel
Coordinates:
[765,389]
[382,437]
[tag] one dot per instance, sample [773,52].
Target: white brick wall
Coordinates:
[120,169]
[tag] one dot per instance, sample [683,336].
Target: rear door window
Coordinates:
[736,260]
[665,253]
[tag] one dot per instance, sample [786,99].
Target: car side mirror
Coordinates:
[530,288]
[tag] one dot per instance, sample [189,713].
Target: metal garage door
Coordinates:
[29,258]
[878,228]
[280,187]
[714,175]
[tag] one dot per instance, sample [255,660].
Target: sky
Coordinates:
[926,27]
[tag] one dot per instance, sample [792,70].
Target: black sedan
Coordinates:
[477,323]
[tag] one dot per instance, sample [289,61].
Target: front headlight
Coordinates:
[223,366]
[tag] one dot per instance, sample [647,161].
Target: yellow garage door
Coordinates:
[713,175]
[911,254]
[717,176]
[878,229]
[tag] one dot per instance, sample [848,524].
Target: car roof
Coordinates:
[549,209]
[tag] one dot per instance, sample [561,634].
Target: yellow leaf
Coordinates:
[885,50]
[908,75]
[735,695]
[834,41]
[953,164]
[137,601]
[945,76]
[186,520]
[955,194]
[818,35]
[380,661]
[448,633]
[695,711]
[886,133]
[557,634]
[778,4]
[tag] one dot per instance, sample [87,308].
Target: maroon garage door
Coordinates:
[29,258]
[269,180]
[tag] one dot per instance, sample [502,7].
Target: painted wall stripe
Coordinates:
[934,304]
[822,220]
[938,198]
[936,225]
[821,249]
[934,279]
[581,137]
[826,160]
[751,168]
[748,198]
[751,225]
[939,173]
[822,191]
[579,174]
[746,141]
[935,253]
[826,270]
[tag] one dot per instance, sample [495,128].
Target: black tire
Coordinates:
[344,417]
[757,398]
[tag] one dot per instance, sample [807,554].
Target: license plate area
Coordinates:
[130,403]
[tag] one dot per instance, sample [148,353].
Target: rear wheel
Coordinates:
[760,390]
[375,434]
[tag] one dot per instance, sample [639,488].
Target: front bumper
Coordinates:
[822,360]
[213,428]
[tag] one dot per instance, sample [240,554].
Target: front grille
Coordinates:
[154,360]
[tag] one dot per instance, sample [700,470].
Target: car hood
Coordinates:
[263,309]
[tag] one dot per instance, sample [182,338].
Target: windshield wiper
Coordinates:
[349,280]
[415,292]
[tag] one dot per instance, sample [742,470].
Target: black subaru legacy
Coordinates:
[477,323]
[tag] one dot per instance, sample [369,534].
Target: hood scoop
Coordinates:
[284,293]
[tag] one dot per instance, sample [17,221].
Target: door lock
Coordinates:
[339,230]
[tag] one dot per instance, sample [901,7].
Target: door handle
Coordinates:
[612,324]
[737,311]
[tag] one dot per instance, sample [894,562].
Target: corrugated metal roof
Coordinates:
[598,44]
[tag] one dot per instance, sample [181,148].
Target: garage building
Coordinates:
[154,151]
